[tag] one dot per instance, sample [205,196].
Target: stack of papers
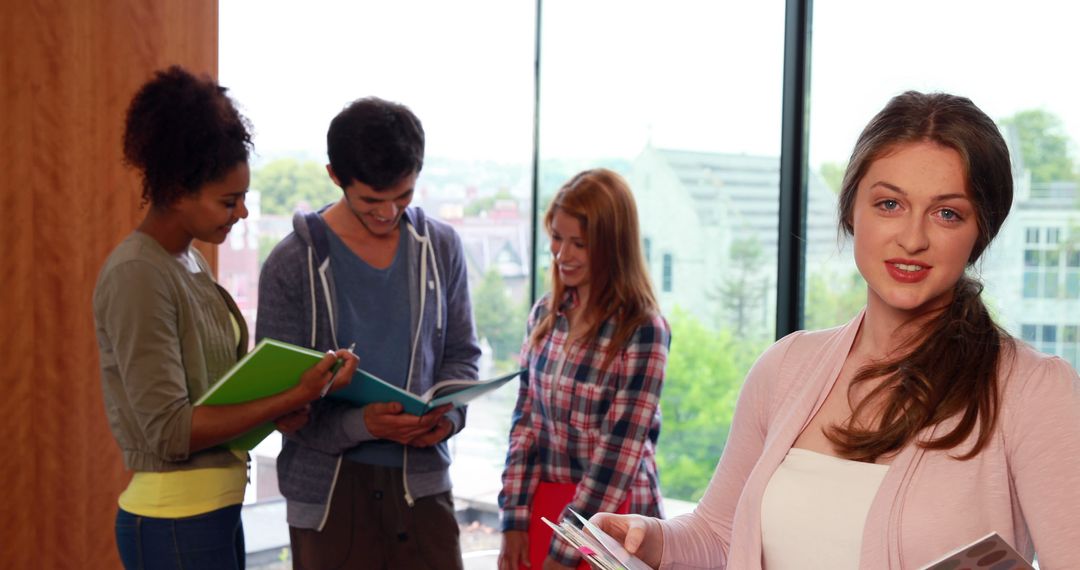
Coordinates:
[599,549]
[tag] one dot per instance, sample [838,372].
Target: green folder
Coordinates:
[271,367]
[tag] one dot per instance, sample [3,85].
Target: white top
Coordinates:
[188,261]
[814,510]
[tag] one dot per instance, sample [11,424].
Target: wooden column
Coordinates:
[68,69]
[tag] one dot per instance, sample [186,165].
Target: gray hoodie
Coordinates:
[297,305]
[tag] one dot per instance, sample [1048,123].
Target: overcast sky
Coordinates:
[702,75]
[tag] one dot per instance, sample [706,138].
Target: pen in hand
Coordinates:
[333,373]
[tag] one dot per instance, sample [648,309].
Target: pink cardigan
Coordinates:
[1025,484]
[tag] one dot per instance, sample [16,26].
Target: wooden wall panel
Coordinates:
[16,307]
[67,71]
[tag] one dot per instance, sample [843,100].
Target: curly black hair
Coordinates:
[182,132]
[375,141]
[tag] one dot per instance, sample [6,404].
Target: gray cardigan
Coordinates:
[297,305]
[164,337]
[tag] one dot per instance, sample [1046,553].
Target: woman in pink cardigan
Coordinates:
[918,427]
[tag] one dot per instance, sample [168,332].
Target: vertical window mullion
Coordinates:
[534,282]
[791,252]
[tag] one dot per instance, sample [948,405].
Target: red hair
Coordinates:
[601,201]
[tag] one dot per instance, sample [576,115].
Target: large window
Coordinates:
[683,98]
[292,67]
[1051,265]
[1012,64]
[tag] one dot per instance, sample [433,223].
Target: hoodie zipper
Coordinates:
[425,252]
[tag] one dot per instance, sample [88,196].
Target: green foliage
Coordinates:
[287,183]
[833,175]
[742,290]
[498,318]
[487,203]
[705,371]
[832,299]
[267,244]
[1044,145]
[542,277]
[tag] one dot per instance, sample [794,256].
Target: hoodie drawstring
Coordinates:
[426,251]
[438,286]
[329,301]
[311,284]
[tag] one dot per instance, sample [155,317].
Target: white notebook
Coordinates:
[596,546]
[990,551]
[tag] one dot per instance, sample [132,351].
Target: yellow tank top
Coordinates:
[176,494]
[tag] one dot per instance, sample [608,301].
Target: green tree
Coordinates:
[742,292]
[287,183]
[705,371]
[1044,145]
[497,318]
[833,175]
[267,244]
[480,205]
[832,299]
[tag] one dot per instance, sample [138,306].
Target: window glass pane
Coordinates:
[1032,258]
[293,66]
[1072,284]
[1031,284]
[1029,333]
[668,277]
[1070,353]
[682,98]
[1050,284]
[1034,107]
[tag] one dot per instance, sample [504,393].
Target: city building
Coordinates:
[710,227]
[1032,270]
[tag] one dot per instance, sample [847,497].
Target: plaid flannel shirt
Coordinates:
[577,423]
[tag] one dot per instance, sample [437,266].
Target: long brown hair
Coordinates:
[950,368]
[600,200]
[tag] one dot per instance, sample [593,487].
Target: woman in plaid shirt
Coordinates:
[586,422]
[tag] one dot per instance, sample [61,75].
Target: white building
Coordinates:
[695,205]
[1032,270]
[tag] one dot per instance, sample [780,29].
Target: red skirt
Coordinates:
[549,501]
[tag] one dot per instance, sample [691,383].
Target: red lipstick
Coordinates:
[901,270]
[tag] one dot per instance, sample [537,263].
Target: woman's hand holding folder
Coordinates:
[333,372]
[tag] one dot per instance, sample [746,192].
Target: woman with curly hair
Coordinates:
[167,331]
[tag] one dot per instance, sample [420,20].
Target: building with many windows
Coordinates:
[711,227]
[1032,269]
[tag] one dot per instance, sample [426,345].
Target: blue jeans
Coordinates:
[210,541]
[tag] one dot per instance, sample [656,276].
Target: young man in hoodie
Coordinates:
[369,487]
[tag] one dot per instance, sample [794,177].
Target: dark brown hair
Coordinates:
[182,132]
[950,368]
[375,141]
[600,200]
